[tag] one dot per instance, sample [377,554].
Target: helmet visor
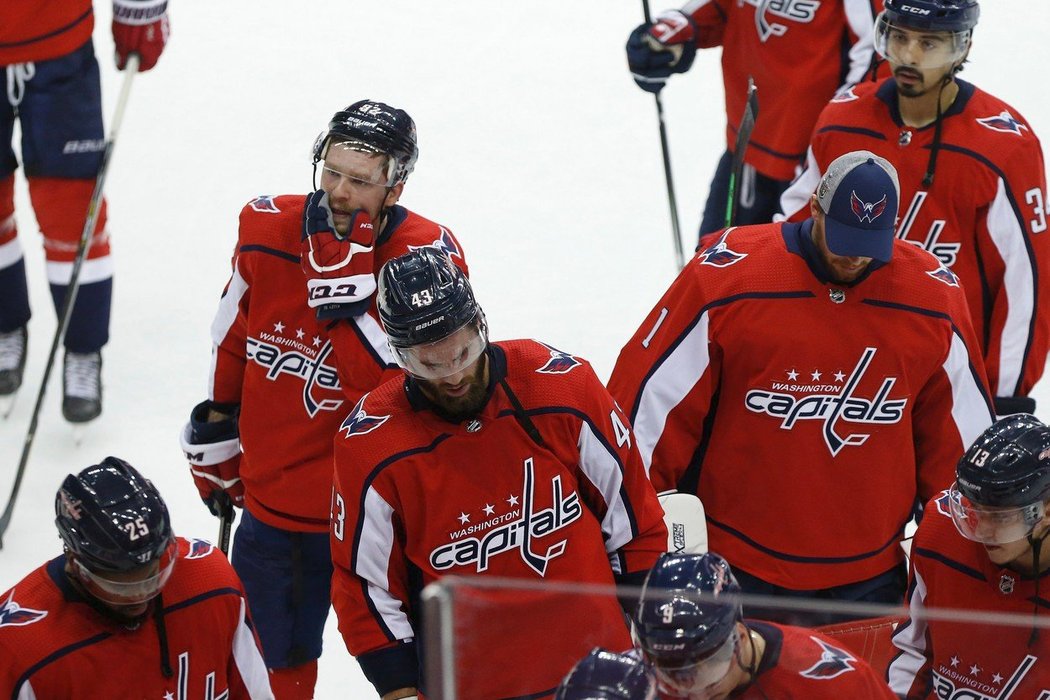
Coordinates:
[132,587]
[994,526]
[335,157]
[919,48]
[694,676]
[446,357]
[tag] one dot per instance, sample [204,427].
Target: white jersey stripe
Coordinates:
[910,638]
[603,470]
[373,557]
[249,661]
[1018,286]
[969,406]
[373,332]
[673,379]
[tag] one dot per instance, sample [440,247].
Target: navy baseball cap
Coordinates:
[859,194]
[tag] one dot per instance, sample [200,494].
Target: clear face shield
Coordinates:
[446,357]
[352,163]
[922,49]
[691,679]
[993,526]
[131,587]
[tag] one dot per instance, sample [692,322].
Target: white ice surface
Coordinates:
[536,148]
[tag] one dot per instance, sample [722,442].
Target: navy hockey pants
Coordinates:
[758,197]
[288,578]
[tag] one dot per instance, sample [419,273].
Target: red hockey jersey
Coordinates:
[418,498]
[55,645]
[799,52]
[984,215]
[276,360]
[36,30]
[944,659]
[801,664]
[806,416]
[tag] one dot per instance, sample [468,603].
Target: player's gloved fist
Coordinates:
[140,26]
[213,449]
[655,51]
[340,279]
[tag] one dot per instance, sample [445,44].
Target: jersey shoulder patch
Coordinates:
[832,664]
[14,615]
[359,422]
[719,254]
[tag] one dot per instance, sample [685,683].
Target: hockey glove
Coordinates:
[140,26]
[214,453]
[655,51]
[340,280]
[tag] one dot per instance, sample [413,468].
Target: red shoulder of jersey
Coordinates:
[410,232]
[273,222]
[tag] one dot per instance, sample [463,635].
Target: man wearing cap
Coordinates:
[809,382]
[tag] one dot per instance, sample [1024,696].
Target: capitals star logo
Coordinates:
[264,204]
[719,254]
[1003,122]
[359,422]
[560,362]
[445,243]
[14,615]
[833,662]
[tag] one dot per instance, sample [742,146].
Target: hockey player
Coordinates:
[808,382]
[981,547]
[603,675]
[53,89]
[701,647]
[288,363]
[129,609]
[504,459]
[799,54]
[973,182]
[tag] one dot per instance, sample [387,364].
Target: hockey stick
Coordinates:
[225,524]
[130,69]
[743,137]
[676,232]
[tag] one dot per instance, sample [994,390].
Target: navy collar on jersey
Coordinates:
[497,371]
[799,240]
[395,216]
[56,571]
[774,639]
[887,92]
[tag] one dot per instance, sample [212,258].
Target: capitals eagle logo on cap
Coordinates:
[865,211]
[359,422]
[833,663]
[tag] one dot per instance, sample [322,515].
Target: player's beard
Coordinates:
[467,405]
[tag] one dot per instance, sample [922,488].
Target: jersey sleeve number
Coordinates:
[1034,197]
[338,516]
[623,435]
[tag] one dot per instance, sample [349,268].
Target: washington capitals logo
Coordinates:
[865,211]
[560,362]
[846,95]
[833,663]
[445,243]
[264,204]
[359,422]
[943,274]
[14,615]
[200,549]
[1004,122]
[943,504]
[719,255]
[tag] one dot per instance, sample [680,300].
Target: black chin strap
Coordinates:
[162,637]
[752,668]
[931,165]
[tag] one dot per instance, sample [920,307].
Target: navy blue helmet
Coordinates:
[1008,465]
[374,127]
[673,625]
[934,15]
[424,297]
[111,518]
[603,675]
